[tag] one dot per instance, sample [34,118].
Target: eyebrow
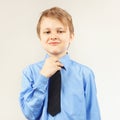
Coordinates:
[58,28]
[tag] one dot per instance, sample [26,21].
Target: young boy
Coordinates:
[77,97]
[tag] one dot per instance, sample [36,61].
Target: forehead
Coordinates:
[52,22]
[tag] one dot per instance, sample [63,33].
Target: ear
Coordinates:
[71,37]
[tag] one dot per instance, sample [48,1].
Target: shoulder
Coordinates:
[82,68]
[32,68]
[85,72]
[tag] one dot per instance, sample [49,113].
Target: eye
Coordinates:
[60,31]
[47,32]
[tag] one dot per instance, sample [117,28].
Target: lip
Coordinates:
[54,43]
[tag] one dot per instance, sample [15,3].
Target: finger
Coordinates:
[59,64]
[58,68]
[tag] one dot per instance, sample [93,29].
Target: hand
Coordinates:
[51,66]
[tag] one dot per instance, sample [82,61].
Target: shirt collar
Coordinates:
[65,60]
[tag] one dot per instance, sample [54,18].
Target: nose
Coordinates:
[53,36]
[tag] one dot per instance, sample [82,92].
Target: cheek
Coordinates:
[43,37]
[42,42]
[67,40]
[65,44]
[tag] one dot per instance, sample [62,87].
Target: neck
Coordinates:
[58,55]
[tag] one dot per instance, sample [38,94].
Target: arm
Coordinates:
[92,108]
[33,94]
[34,88]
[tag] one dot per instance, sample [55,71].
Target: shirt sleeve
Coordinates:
[33,94]
[92,107]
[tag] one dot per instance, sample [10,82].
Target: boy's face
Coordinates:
[55,37]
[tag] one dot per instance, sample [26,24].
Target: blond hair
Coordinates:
[57,13]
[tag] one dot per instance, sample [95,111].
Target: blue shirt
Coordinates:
[78,92]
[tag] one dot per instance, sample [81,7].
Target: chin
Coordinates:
[55,53]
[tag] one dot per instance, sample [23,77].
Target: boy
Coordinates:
[77,99]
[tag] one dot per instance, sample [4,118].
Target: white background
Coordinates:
[96,44]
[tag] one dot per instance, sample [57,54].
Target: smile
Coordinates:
[54,43]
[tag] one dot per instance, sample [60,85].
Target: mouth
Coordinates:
[54,43]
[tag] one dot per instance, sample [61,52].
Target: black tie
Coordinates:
[54,94]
